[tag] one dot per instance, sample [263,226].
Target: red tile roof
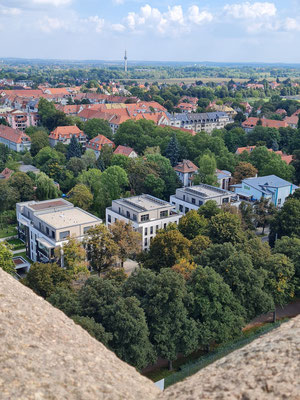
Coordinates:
[98,142]
[13,135]
[186,166]
[66,132]
[6,173]
[270,123]
[124,150]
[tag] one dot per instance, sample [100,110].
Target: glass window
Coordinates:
[180,207]
[146,242]
[145,217]
[226,200]
[146,231]
[47,230]
[109,218]
[186,210]
[134,217]
[157,228]
[163,214]
[53,234]
[151,230]
[193,201]
[184,197]
[279,202]
[165,225]
[64,235]
[86,229]
[127,214]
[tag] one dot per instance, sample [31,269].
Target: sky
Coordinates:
[153,30]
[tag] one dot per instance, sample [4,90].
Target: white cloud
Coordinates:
[48,24]
[118,2]
[248,10]
[97,22]
[118,27]
[198,17]
[292,24]
[9,11]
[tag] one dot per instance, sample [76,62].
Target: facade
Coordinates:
[64,134]
[252,122]
[14,139]
[126,151]
[191,198]
[97,143]
[45,225]
[146,213]
[185,171]
[269,187]
[199,122]
[21,120]
[224,178]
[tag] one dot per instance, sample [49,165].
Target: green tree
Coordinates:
[81,196]
[9,196]
[199,244]
[39,139]
[166,248]
[94,329]
[101,248]
[6,259]
[74,258]
[44,278]
[89,158]
[66,300]
[76,165]
[94,127]
[286,221]
[209,209]
[242,171]
[45,187]
[264,211]
[90,178]
[225,227]
[172,151]
[207,170]
[128,241]
[217,312]
[163,297]
[192,224]
[48,154]
[74,149]
[23,185]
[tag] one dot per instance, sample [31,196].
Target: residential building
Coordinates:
[224,178]
[46,225]
[191,198]
[14,139]
[252,122]
[126,151]
[292,121]
[269,187]
[21,119]
[223,108]
[97,143]
[185,171]
[187,107]
[146,213]
[64,134]
[284,157]
[6,174]
[199,122]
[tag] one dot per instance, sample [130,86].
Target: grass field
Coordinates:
[8,231]
[17,244]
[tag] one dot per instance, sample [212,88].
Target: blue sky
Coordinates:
[165,30]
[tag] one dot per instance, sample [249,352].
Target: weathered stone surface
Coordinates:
[45,355]
[268,368]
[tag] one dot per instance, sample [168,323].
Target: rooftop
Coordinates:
[47,204]
[69,217]
[269,181]
[204,190]
[144,202]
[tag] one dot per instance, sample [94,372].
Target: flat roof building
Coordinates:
[45,225]
[191,198]
[146,213]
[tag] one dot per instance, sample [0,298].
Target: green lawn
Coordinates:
[8,231]
[16,244]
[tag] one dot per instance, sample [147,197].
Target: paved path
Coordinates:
[18,251]
[8,237]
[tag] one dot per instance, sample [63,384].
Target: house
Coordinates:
[46,225]
[222,108]
[292,121]
[224,178]
[146,213]
[199,122]
[6,174]
[281,111]
[126,151]
[97,143]
[14,139]
[187,107]
[248,149]
[21,120]
[269,187]
[191,198]
[64,134]
[284,157]
[251,123]
[185,171]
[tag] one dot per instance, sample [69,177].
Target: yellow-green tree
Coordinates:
[74,258]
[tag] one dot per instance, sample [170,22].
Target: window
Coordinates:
[47,230]
[200,202]
[157,228]
[225,200]
[145,217]
[64,235]
[193,201]
[151,230]
[146,231]
[119,210]
[184,197]
[180,207]
[186,210]
[163,214]
[86,229]
[134,217]
[146,242]
[279,202]
[53,234]
[165,225]
[109,218]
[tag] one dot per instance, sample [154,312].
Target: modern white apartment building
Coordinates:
[45,225]
[191,198]
[146,213]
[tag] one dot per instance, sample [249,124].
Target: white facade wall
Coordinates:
[147,229]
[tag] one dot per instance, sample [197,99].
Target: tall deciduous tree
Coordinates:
[264,211]
[95,126]
[209,209]
[23,185]
[81,196]
[101,248]
[244,170]
[128,241]
[39,139]
[6,259]
[225,227]
[192,224]
[207,170]
[45,187]
[74,258]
